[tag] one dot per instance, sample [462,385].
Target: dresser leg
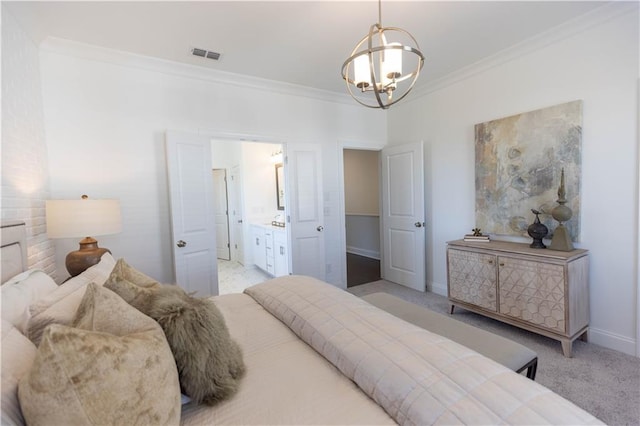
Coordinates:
[567,347]
[585,336]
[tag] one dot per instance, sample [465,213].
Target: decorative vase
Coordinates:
[537,231]
[561,239]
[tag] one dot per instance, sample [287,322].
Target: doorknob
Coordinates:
[320,228]
[181,243]
[418,224]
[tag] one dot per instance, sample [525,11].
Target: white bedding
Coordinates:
[418,377]
[287,382]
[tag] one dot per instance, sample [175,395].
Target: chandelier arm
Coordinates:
[417,72]
[372,70]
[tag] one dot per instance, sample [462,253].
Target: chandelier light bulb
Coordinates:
[392,62]
[362,72]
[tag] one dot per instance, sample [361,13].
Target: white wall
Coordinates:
[598,63]
[106,115]
[25,185]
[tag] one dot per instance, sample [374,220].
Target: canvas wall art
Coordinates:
[518,165]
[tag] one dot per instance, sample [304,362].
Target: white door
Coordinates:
[220,210]
[305,209]
[403,232]
[192,219]
[235,203]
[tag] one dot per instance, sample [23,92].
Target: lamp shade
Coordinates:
[82,218]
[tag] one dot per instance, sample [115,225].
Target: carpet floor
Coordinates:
[604,382]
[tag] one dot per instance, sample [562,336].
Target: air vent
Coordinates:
[205,53]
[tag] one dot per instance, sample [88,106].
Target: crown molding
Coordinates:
[127,59]
[577,25]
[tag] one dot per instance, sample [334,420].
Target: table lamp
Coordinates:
[81,218]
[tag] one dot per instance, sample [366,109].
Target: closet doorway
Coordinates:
[362,215]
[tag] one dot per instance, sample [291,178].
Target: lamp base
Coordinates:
[88,255]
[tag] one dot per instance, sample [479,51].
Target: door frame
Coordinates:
[342,145]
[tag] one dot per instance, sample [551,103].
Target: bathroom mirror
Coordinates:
[280,186]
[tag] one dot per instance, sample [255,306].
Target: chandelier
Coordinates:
[376,64]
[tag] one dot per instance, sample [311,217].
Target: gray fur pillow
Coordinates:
[209,362]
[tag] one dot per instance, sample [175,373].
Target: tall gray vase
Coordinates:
[561,239]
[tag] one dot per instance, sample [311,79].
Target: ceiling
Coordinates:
[300,42]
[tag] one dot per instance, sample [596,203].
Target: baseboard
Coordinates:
[437,288]
[364,252]
[613,341]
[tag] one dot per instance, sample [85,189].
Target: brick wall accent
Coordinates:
[25,185]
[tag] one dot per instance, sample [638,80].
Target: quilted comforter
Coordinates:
[389,370]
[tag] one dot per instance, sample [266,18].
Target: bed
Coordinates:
[314,354]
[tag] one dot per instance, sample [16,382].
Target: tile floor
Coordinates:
[234,277]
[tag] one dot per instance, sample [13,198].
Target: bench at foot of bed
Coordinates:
[504,351]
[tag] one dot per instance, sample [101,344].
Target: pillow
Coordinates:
[122,270]
[22,291]
[115,367]
[61,312]
[209,362]
[97,273]
[18,354]
[60,306]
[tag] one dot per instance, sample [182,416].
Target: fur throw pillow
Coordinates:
[209,362]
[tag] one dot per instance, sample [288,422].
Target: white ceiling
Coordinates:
[301,42]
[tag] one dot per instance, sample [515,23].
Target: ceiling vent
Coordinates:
[205,53]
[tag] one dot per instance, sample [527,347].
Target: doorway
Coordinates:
[401,214]
[249,168]
[362,215]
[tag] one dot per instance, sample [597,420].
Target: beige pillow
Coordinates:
[122,270]
[114,368]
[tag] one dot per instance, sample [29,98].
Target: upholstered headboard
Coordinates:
[14,249]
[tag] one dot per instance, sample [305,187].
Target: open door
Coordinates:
[192,213]
[221,209]
[304,196]
[403,232]
[236,215]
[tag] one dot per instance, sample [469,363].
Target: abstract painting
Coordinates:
[519,160]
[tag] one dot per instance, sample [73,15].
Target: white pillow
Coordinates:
[97,273]
[60,306]
[18,354]
[22,291]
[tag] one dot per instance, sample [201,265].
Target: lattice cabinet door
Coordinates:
[472,278]
[533,291]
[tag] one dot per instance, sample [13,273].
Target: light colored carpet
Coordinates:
[602,381]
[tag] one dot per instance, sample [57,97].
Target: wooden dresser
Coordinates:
[541,290]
